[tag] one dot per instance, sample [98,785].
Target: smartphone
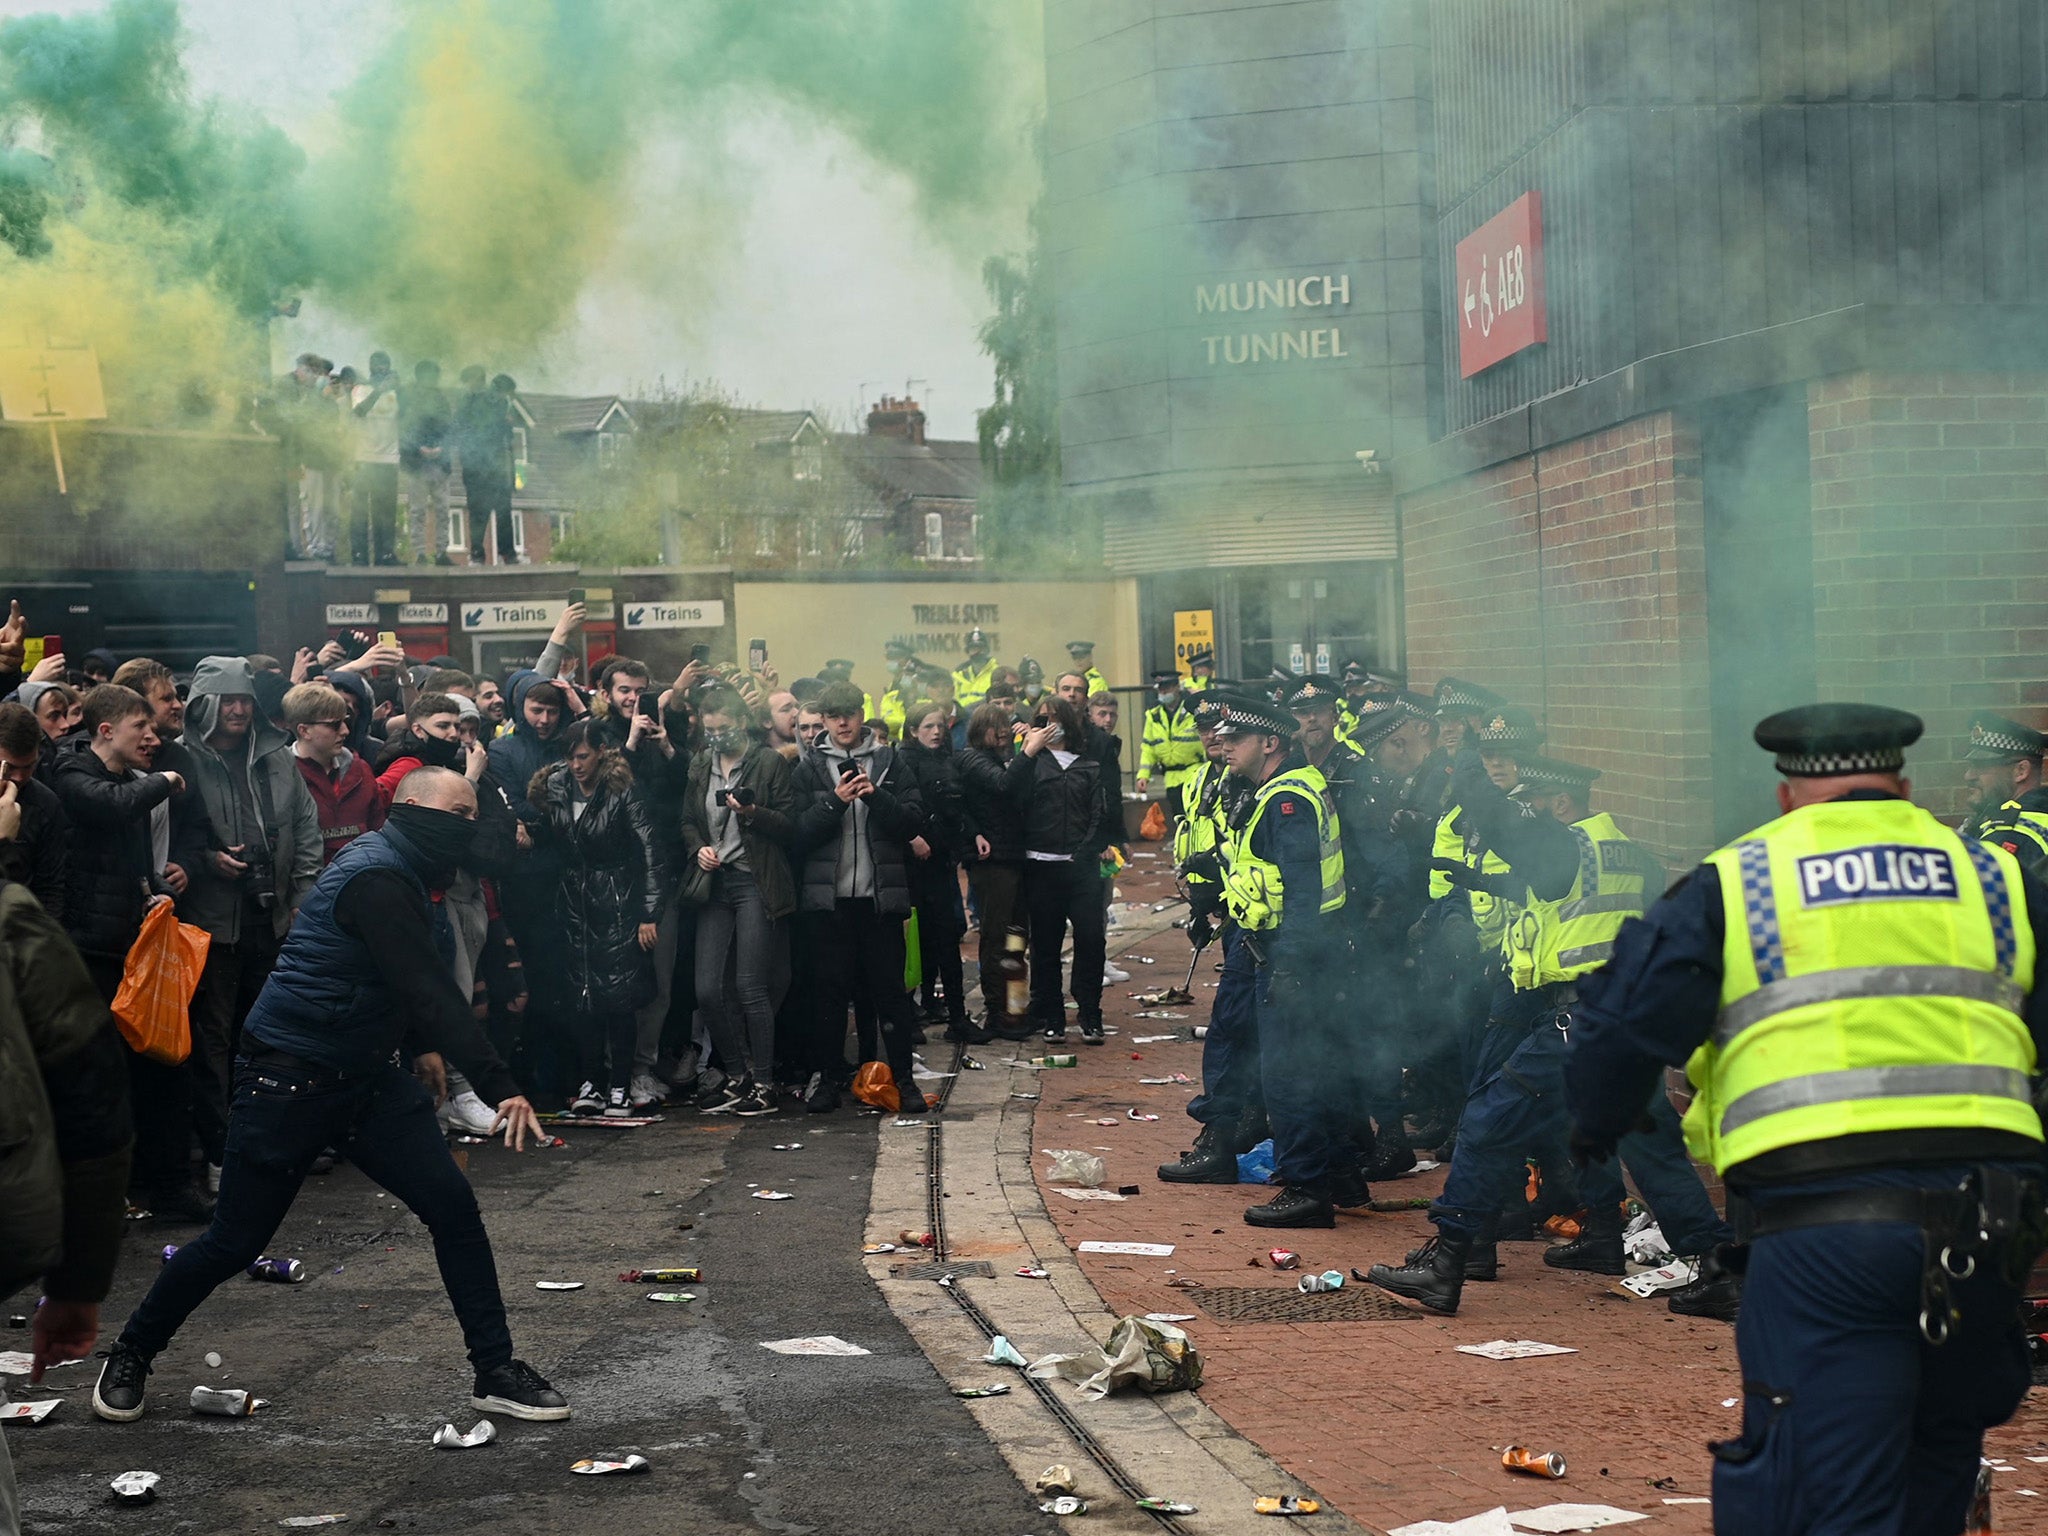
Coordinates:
[650,704]
[388,637]
[53,645]
[576,594]
[700,654]
[757,655]
[848,769]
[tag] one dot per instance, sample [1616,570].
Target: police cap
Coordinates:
[1552,776]
[977,640]
[1827,740]
[1508,727]
[1314,692]
[1202,656]
[1247,714]
[1455,696]
[895,650]
[1209,710]
[1166,678]
[1380,718]
[836,667]
[1028,670]
[1995,739]
[1080,648]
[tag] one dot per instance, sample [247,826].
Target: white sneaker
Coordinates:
[466,1115]
[213,1178]
[588,1101]
[1111,971]
[648,1091]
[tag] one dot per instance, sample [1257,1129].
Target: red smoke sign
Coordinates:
[1499,299]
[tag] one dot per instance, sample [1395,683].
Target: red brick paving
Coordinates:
[1385,1419]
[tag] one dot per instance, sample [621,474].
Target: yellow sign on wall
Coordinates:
[1194,630]
[50,383]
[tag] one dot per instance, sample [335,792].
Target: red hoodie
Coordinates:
[347,800]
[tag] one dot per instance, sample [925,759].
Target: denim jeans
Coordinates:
[285,1111]
[733,929]
[1670,1184]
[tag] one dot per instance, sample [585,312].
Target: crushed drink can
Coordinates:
[687,1275]
[135,1487]
[1065,1504]
[1284,1504]
[225,1402]
[596,1466]
[997,1389]
[169,1249]
[1167,1507]
[1055,1479]
[1518,1458]
[283,1271]
[1328,1280]
[1284,1258]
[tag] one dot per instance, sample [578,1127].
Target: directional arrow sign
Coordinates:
[683,615]
[502,618]
[1500,276]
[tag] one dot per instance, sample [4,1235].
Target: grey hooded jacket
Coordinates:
[286,826]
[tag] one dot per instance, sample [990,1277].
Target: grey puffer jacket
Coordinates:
[858,851]
[287,824]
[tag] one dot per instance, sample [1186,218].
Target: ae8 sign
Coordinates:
[1499,301]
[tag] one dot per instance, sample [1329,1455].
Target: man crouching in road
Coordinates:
[357,978]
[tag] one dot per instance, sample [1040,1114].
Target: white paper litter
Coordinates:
[1689,1501]
[31,1413]
[18,1362]
[1556,1519]
[1170,1317]
[1091,1194]
[1140,1250]
[815,1344]
[1493,1523]
[1425,1166]
[1151,1040]
[1513,1349]
[772,1194]
[1666,1277]
[558,1285]
[449,1438]
[1002,1352]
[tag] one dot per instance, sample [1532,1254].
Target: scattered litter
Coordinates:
[1513,1349]
[921,1074]
[1157,1013]
[1028,1273]
[789,1146]
[1153,1357]
[814,1344]
[1492,1523]
[1056,1061]
[1666,1277]
[1170,1317]
[1090,1194]
[1730,1402]
[773,1194]
[1426,1165]
[688,1275]
[1105,1120]
[1167,1507]
[449,1438]
[1257,1166]
[994,1389]
[135,1487]
[971,1064]
[592,1466]
[1071,1167]
[212,1360]
[1127,1189]
[1002,1352]
[1519,1458]
[922,1125]
[303,1520]
[1286,1504]
[1644,1241]
[558,1285]
[1328,1280]
[910,1239]
[1161,1082]
[1057,1478]
[1132,1114]
[282,1271]
[27,1413]
[1557,1519]
[1183,1284]
[873,1248]
[226,1402]
[671,1296]
[1689,1501]
[1135,1250]
[1065,1504]
[1283,1258]
[1031,1096]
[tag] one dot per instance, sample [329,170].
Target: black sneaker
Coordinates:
[821,1095]
[616,1107]
[518,1391]
[708,1097]
[1056,1035]
[730,1095]
[1091,1031]
[759,1102]
[118,1395]
[588,1101]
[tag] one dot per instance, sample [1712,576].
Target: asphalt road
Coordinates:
[362,1365]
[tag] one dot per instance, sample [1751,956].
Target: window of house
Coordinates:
[973,550]
[764,535]
[519,446]
[934,536]
[607,450]
[458,529]
[519,533]
[807,461]
[721,541]
[856,539]
[558,527]
[814,536]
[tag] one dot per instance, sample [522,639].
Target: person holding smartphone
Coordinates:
[1071,814]
[737,824]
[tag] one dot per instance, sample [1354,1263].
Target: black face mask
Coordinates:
[436,753]
[438,840]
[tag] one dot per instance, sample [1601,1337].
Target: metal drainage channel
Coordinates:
[935,1219]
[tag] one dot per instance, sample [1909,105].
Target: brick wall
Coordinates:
[1573,581]
[1930,518]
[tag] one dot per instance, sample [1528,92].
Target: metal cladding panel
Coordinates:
[1251,522]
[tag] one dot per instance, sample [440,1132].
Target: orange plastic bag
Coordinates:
[1153,828]
[162,972]
[872,1084]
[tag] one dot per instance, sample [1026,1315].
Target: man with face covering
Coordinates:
[356,981]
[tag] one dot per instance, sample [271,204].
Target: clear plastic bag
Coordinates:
[1084,1169]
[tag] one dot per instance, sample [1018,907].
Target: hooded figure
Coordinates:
[257,802]
[363,704]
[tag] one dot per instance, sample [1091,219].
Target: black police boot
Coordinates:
[1390,1159]
[1348,1190]
[1296,1205]
[1434,1274]
[1482,1263]
[1209,1162]
[1715,1293]
[1597,1249]
[1251,1128]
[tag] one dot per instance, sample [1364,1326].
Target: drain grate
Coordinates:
[938,1269]
[1267,1304]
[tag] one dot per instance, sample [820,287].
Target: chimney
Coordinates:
[890,417]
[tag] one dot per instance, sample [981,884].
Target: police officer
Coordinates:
[1201,671]
[1030,683]
[1283,879]
[1081,659]
[1231,1106]
[1562,901]
[1852,988]
[904,689]
[1171,747]
[2003,767]
[971,680]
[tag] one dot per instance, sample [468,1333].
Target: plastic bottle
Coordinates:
[1012,988]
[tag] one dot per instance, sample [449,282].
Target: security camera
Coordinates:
[1369,460]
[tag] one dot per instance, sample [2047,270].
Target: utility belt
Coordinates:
[1995,1215]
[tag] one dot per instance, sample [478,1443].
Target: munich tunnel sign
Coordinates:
[1499,298]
